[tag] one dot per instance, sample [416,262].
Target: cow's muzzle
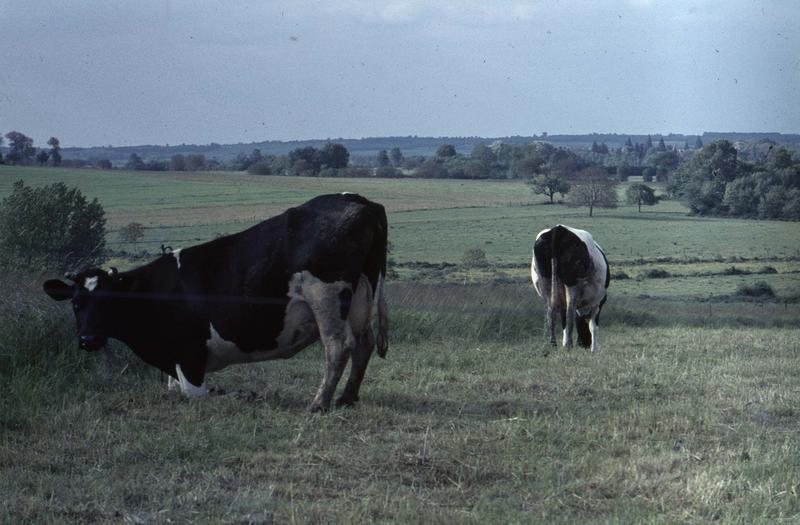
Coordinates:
[92,343]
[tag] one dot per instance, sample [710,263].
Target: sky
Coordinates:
[107,72]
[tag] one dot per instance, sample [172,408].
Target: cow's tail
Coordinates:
[379,250]
[383,319]
[554,281]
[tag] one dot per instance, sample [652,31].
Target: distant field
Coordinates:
[435,221]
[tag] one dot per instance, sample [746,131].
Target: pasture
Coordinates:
[689,414]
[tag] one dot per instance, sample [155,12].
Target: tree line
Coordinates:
[716,181]
[21,151]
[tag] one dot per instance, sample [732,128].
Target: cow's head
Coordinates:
[92,295]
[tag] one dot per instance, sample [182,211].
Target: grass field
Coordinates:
[688,415]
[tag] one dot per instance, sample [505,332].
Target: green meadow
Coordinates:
[689,414]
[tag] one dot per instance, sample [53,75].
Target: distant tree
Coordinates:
[255,156]
[593,188]
[387,172]
[445,151]
[1,153]
[177,162]
[624,171]
[42,157]
[135,162]
[641,194]
[103,164]
[648,174]
[335,156]
[51,226]
[648,144]
[628,143]
[262,167]
[741,197]
[548,184]
[196,162]
[21,146]
[383,159]
[55,151]
[698,143]
[396,156]
[661,145]
[131,232]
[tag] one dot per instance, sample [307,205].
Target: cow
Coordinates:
[570,272]
[311,273]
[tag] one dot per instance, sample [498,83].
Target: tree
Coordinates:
[594,189]
[131,232]
[55,151]
[661,146]
[135,162]
[196,162]
[42,157]
[641,194]
[21,146]
[383,159]
[335,156]
[548,184]
[51,226]
[103,164]
[698,143]
[396,156]
[649,144]
[445,151]
[177,163]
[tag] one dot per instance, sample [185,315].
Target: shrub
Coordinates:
[759,289]
[131,232]
[474,258]
[51,227]
[656,273]
[262,167]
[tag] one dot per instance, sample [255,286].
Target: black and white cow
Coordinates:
[311,273]
[578,290]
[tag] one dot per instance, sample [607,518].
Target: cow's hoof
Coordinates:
[346,400]
[317,408]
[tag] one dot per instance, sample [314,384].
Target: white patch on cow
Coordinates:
[172,383]
[188,389]
[177,255]
[347,193]
[310,299]
[90,283]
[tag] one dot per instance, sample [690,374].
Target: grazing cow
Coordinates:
[309,273]
[578,290]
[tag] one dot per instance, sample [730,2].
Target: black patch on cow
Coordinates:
[345,298]
[572,255]
[296,335]
[584,334]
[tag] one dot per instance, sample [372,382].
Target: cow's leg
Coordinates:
[594,328]
[570,320]
[360,359]
[339,343]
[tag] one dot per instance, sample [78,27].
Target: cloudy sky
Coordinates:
[168,71]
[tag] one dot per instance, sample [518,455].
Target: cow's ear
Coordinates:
[58,289]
